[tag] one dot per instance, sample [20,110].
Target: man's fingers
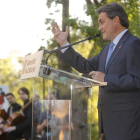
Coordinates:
[92,73]
[56,26]
[53,28]
[67,29]
[96,75]
[56,34]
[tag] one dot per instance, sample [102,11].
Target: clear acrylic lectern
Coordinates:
[62,105]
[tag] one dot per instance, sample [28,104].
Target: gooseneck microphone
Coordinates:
[67,46]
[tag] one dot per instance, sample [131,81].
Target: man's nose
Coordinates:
[99,28]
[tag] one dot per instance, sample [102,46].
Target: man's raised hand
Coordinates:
[60,37]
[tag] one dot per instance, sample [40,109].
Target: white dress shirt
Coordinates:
[118,37]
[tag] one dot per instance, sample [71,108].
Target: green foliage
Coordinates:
[132,8]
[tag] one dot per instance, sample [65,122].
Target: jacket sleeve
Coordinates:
[131,80]
[28,121]
[7,114]
[18,107]
[80,63]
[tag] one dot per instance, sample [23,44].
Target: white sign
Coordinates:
[31,65]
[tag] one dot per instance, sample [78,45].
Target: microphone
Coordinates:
[67,46]
[97,35]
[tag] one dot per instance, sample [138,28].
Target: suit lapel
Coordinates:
[117,49]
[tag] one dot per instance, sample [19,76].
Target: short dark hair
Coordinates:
[25,90]
[114,9]
[9,94]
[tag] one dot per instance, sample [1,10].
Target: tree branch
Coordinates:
[96,3]
[89,2]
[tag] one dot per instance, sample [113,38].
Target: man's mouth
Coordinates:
[103,32]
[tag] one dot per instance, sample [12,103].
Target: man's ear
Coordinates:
[116,20]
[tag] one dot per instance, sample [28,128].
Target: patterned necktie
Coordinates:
[109,52]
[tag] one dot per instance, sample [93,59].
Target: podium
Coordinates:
[63,106]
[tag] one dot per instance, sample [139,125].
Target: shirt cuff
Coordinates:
[63,50]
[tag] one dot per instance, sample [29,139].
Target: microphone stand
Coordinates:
[50,52]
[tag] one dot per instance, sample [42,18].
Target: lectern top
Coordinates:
[67,78]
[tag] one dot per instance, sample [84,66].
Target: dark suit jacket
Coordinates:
[119,101]
[16,107]
[13,135]
[26,126]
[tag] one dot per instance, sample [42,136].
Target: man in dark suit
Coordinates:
[118,65]
[13,105]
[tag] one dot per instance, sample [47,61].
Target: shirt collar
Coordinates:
[118,37]
[25,102]
[13,104]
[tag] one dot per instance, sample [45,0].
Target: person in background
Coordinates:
[49,125]
[26,126]
[12,108]
[13,105]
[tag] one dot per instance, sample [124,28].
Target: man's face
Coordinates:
[22,95]
[106,26]
[10,99]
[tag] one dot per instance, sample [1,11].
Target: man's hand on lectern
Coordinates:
[60,37]
[96,75]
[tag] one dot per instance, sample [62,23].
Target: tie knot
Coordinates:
[111,45]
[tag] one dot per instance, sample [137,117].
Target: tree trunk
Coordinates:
[65,16]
